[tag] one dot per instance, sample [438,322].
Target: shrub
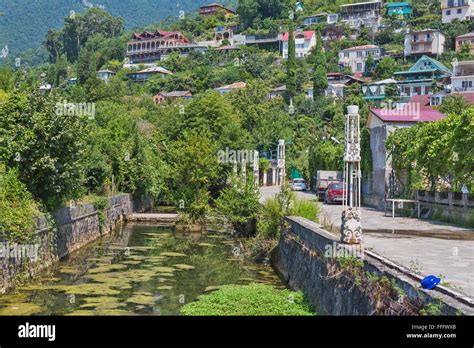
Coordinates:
[249,300]
[18,210]
[239,203]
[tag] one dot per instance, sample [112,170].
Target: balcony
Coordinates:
[421,40]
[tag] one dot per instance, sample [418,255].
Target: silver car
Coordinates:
[298,185]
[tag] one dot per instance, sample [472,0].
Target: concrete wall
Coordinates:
[302,261]
[73,228]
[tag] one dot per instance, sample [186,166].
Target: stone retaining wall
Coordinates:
[74,228]
[307,259]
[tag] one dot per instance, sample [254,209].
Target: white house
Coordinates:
[362,15]
[462,79]
[323,17]
[304,42]
[457,9]
[356,57]
[424,42]
[105,75]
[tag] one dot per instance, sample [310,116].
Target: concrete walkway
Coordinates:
[423,246]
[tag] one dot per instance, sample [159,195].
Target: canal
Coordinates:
[137,270]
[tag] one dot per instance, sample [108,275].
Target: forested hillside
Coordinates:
[25,22]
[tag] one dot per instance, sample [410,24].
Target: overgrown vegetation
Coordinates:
[249,300]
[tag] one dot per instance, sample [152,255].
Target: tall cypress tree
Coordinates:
[320,81]
[291,64]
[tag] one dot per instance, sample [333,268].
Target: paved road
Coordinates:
[428,247]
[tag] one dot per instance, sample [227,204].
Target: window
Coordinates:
[459,11]
[359,53]
[346,54]
[359,67]
[448,12]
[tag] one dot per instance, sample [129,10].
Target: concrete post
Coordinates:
[281,163]
[256,168]
[351,229]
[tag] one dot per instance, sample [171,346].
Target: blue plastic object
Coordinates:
[430,282]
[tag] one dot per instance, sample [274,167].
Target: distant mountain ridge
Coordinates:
[25,22]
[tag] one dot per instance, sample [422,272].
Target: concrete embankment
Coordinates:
[346,280]
[71,229]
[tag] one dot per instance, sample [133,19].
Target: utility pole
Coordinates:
[351,228]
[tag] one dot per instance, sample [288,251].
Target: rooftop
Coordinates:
[175,94]
[363,47]
[466,35]
[235,85]
[417,109]
[308,34]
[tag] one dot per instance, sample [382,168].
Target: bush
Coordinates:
[18,210]
[249,300]
[284,204]
[239,203]
[307,209]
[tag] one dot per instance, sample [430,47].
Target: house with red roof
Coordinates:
[304,42]
[149,47]
[382,122]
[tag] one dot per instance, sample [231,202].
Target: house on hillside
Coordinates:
[149,47]
[419,78]
[356,57]
[362,15]
[105,75]
[214,8]
[375,91]
[428,42]
[337,83]
[462,10]
[304,43]
[466,39]
[146,74]
[463,76]
[229,88]
[399,9]
[164,96]
[381,123]
[321,18]
[277,92]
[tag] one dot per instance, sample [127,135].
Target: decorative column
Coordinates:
[256,168]
[281,163]
[351,230]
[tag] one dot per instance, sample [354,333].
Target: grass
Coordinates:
[249,300]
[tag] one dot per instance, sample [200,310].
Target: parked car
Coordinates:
[298,185]
[335,192]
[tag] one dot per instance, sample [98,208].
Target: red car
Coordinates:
[334,192]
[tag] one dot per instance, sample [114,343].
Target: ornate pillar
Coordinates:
[256,169]
[351,230]
[281,163]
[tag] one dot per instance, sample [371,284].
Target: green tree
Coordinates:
[46,143]
[320,81]
[291,64]
[385,68]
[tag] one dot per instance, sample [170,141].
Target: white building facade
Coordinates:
[304,42]
[424,42]
[462,10]
[462,79]
[356,57]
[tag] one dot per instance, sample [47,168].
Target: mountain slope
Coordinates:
[25,22]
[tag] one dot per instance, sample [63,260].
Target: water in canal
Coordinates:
[137,270]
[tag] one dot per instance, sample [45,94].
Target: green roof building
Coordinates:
[399,8]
